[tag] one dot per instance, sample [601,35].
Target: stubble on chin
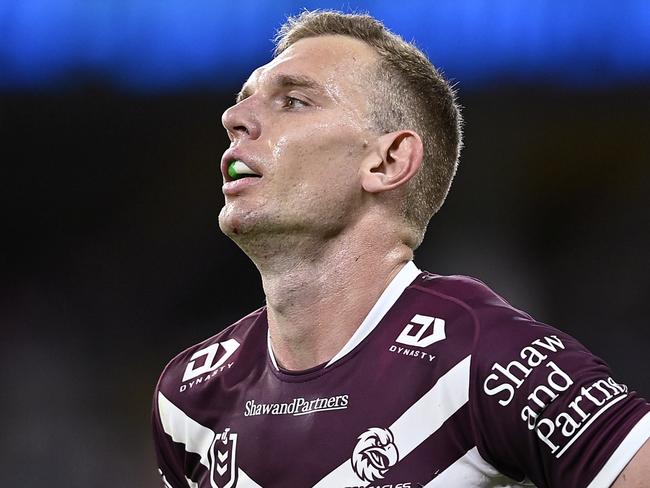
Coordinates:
[241,224]
[231,224]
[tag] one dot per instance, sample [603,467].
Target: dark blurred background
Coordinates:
[111,257]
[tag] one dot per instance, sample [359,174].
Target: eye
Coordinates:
[293,102]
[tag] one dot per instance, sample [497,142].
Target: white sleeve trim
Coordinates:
[623,454]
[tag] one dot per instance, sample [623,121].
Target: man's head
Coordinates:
[380,98]
[407,93]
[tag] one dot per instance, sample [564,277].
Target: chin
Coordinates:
[229,225]
[236,222]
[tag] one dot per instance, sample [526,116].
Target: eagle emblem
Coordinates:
[374,454]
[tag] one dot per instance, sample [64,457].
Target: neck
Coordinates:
[318,293]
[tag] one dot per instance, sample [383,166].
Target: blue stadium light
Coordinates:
[156,45]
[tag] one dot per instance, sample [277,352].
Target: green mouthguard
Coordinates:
[237,169]
[232,170]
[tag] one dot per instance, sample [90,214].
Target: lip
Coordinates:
[235,187]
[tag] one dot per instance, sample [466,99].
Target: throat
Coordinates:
[312,315]
[319,291]
[310,325]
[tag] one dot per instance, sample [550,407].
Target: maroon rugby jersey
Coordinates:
[444,384]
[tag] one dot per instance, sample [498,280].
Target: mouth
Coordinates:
[237,169]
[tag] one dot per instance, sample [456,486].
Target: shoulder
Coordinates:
[500,332]
[470,295]
[477,321]
[501,329]
[541,405]
[210,357]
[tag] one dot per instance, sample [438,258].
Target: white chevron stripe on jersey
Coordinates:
[416,424]
[183,429]
[196,437]
[472,470]
[243,480]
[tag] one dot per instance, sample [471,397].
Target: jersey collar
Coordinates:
[393,291]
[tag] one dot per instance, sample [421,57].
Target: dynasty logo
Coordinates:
[374,454]
[207,362]
[420,333]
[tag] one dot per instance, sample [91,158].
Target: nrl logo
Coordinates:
[223,469]
[374,454]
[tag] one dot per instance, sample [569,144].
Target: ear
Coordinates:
[395,161]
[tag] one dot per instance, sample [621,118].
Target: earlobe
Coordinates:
[397,159]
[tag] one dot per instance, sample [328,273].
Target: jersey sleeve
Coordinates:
[168,455]
[545,409]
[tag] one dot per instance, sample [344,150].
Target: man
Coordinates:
[361,370]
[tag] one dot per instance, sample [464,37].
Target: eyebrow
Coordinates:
[285,81]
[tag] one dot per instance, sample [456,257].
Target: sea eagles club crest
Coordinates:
[223,469]
[374,454]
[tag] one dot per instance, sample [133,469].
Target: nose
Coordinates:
[241,121]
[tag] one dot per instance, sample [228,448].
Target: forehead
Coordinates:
[340,65]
